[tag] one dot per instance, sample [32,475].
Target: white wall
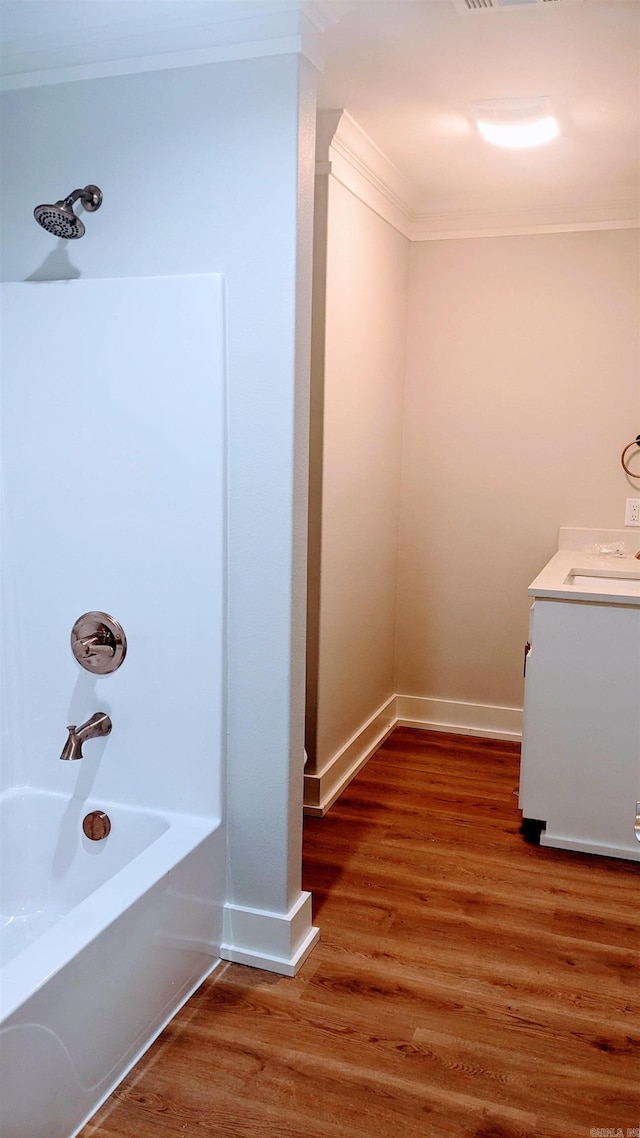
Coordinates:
[358,394]
[201,171]
[522,387]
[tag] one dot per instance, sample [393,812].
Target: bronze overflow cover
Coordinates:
[96,825]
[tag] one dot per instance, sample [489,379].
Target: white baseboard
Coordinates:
[564,842]
[322,789]
[276,942]
[483,720]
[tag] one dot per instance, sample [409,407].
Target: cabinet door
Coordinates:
[581,741]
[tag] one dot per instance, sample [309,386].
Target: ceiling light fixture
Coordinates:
[516,123]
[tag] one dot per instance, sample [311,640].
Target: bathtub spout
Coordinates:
[98,725]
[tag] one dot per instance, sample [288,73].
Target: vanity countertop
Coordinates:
[580,571]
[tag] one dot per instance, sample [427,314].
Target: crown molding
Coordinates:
[579,217]
[171,35]
[324,14]
[345,152]
[353,159]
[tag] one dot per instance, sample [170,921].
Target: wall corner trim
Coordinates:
[277,942]
[484,720]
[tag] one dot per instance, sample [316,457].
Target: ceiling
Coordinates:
[407,71]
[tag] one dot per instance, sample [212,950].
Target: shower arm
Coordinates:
[90,196]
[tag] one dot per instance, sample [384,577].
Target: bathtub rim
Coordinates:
[53,949]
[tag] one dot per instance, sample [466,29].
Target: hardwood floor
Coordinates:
[467,984]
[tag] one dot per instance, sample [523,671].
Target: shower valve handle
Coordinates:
[102,644]
[98,643]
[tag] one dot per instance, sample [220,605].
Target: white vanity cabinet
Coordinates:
[580,767]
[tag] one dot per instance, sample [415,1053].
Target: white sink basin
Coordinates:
[620,582]
[584,576]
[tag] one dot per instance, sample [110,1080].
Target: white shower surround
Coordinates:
[114,499]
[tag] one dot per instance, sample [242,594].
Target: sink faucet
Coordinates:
[98,725]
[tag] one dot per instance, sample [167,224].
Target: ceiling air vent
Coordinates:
[466,6]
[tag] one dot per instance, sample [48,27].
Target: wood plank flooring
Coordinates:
[467,984]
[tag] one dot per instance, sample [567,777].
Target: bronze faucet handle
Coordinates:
[102,643]
[98,642]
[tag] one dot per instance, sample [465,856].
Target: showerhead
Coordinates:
[60,220]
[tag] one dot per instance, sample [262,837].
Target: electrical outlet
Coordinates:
[632,512]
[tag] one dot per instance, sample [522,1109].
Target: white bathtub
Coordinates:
[101,943]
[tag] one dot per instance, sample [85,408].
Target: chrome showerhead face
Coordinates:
[60,220]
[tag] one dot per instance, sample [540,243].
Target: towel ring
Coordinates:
[623,459]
